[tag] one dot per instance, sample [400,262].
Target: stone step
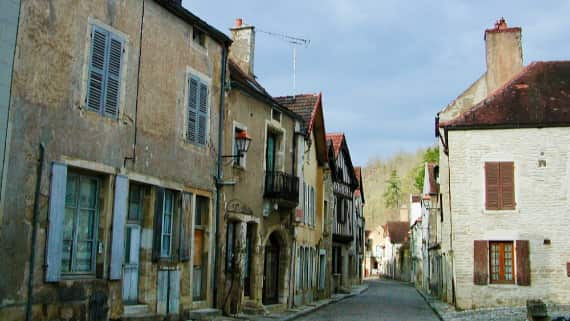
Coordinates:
[203,314]
[275,308]
[135,309]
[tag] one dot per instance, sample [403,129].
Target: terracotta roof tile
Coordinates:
[336,139]
[398,231]
[305,105]
[538,96]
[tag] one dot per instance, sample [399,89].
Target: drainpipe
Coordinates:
[219,173]
[34,233]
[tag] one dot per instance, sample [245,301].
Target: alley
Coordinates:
[384,301]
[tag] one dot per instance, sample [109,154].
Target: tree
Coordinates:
[393,191]
[431,155]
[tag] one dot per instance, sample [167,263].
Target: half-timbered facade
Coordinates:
[344,264]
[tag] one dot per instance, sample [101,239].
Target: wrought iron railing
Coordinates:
[282,186]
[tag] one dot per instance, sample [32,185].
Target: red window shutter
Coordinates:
[507,181]
[523,262]
[492,183]
[480,263]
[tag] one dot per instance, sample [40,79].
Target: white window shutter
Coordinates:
[120,208]
[55,222]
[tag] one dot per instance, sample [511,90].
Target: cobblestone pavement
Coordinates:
[384,301]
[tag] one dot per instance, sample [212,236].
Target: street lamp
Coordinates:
[426,201]
[242,141]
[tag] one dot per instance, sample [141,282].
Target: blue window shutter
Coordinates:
[97,69]
[192,121]
[158,209]
[55,222]
[162,292]
[203,114]
[119,220]
[113,75]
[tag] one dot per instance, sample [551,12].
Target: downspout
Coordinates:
[34,233]
[450,225]
[134,151]
[219,173]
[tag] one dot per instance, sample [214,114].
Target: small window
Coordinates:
[80,224]
[276,115]
[501,260]
[199,37]
[198,111]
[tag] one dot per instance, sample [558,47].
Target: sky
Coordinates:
[385,67]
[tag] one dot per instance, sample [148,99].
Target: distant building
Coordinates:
[396,260]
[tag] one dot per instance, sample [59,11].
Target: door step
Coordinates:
[135,309]
[203,314]
[275,308]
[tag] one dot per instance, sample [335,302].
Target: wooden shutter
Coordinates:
[507,194]
[480,263]
[198,247]
[55,222]
[186,214]
[191,125]
[158,209]
[97,65]
[120,207]
[203,114]
[113,76]
[492,183]
[523,262]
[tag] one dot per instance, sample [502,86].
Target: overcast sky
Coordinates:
[386,67]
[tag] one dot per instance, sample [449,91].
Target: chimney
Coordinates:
[243,46]
[504,54]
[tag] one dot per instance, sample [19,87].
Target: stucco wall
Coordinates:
[541,211]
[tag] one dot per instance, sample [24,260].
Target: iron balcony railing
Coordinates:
[282,186]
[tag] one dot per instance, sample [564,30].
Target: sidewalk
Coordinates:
[447,312]
[297,312]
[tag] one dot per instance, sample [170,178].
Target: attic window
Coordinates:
[199,37]
[276,115]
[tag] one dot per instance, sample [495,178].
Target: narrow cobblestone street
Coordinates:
[384,301]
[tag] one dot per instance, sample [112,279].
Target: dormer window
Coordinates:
[199,37]
[276,115]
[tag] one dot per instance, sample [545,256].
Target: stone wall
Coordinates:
[541,195]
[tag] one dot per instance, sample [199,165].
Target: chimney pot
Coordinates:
[239,22]
[501,24]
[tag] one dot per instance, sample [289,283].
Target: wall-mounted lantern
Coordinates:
[242,141]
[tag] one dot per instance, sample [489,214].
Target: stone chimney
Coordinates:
[504,54]
[243,46]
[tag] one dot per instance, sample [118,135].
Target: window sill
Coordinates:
[78,277]
[499,212]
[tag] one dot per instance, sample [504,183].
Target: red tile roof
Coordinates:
[539,96]
[398,231]
[305,105]
[336,139]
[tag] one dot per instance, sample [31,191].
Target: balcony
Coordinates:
[282,187]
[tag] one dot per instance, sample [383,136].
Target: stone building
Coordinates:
[396,250]
[260,190]
[344,252]
[313,238]
[374,251]
[431,231]
[360,224]
[416,241]
[504,178]
[112,146]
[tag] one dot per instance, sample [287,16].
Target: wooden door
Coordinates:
[131,265]
[271,273]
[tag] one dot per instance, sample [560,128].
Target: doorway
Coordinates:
[132,245]
[271,271]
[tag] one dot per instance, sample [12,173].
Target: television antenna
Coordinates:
[295,42]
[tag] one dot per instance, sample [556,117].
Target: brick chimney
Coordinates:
[504,54]
[243,46]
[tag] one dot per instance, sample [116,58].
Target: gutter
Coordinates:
[219,174]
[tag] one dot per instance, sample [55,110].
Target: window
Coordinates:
[276,115]
[197,118]
[322,270]
[499,186]
[80,224]
[501,262]
[104,75]
[339,208]
[199,37]
[167,222]
[200,248]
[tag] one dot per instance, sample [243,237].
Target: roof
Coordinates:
[539,96]
[305,105]
[360,190]
[432,177]
[181,12]
[253,87]
[398,231]
[336,139]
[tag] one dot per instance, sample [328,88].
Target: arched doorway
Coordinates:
[271,270]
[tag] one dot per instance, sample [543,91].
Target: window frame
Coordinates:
[94,225]
[202,80]
[199,37]
[502,262]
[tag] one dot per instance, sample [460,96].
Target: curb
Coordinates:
[430,305]
[316,308]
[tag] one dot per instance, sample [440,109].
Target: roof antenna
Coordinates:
[295,42]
